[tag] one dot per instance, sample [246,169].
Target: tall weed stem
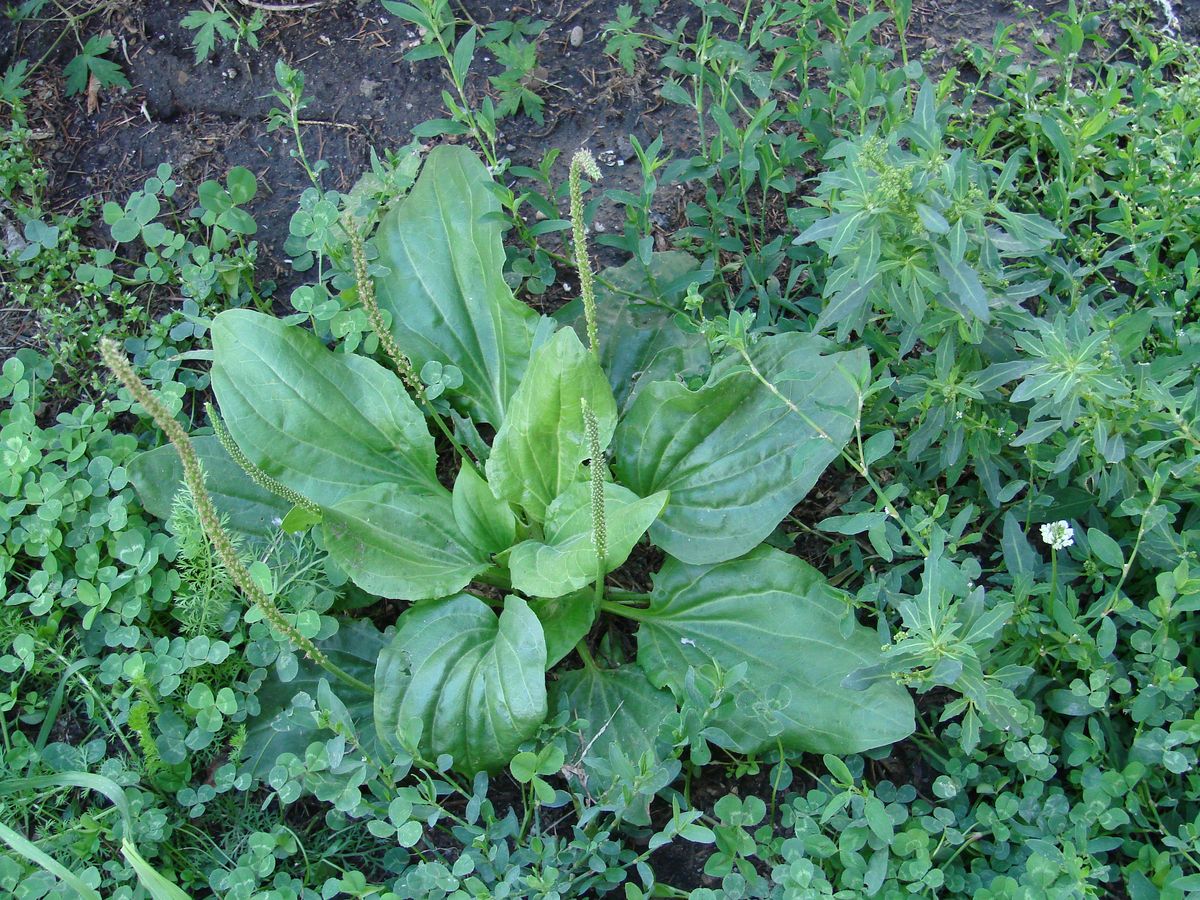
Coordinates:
[583,162]
[193,474]
[257,475]
[599,524]
[399,359]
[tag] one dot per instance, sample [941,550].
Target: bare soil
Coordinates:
[206,118]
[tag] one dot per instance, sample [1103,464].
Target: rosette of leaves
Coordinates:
[704,470]
[921,233]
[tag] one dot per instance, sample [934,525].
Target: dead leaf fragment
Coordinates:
[93,94]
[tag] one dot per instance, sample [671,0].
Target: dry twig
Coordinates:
[285,7]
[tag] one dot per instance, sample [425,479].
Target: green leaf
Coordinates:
[208,23]
[34,854]
[464,52]
[878,445]
[878,819]
[325,424]
[476,682]
[300,518]
[829,227]
[398,543]
[242,185]
[778,615]
[539,450]
[838,769]
[734,457]
[277,728]
[847,302]
[434,127]
[445,290]
[924,127]
[153,881]
[864,26]
[565,622]
[856,523]
[622,710]
[964,282]
[565,559]
[523,767]
[156,884]
[640,342]
[933,220]
[157,476]
[484,519]
[237,220]
[125,230]
[90,62]
[1104,548]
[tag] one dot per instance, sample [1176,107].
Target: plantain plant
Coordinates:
[600,445]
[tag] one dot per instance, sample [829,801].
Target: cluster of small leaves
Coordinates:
[87,71]
[514,45]
[218,21]
[82,292]
[96,592]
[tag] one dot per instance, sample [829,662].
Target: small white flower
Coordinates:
[958,415]
[1059,535]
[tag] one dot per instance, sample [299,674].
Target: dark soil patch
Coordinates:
[205,118]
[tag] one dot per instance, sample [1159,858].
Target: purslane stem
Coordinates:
[193,474]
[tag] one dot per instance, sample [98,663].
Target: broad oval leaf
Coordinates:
[277,728]
[476,682]
[735,458]
[325,424]
[624,711]
[565,622]
[445,288]
[539,450]
[157,475]
[778,615]
[640,342]
[398,543]
[484,519]
[565,559]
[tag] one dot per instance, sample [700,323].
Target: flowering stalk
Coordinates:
[1059,535]
[257,475]
[366,296]
[583,161]
[399,359]
[599,526]
[193,475]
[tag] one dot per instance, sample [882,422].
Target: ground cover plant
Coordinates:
[835,539]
